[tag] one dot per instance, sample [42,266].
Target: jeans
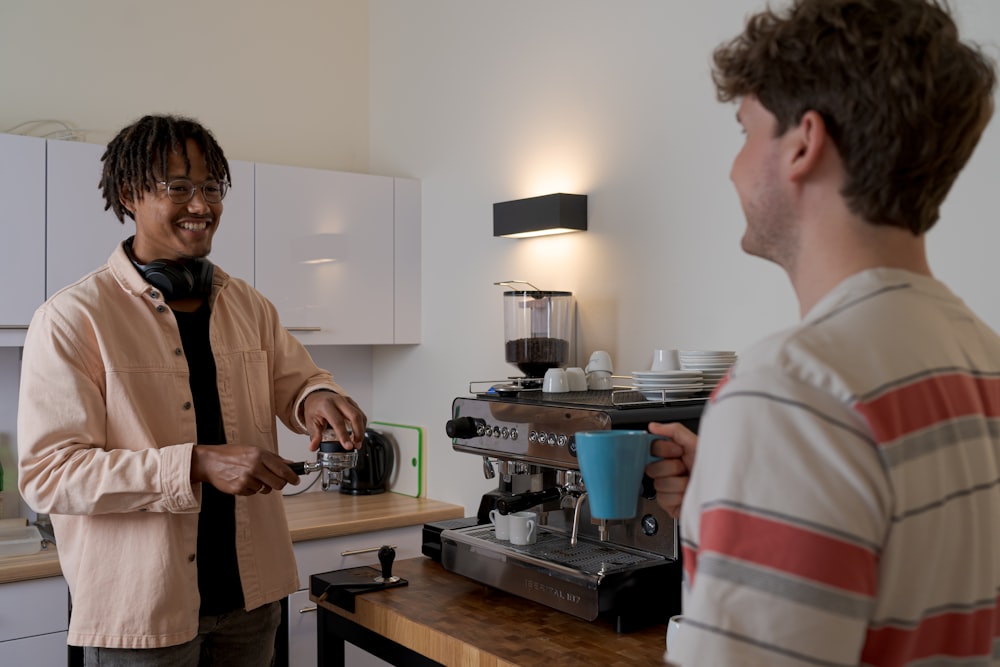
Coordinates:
[235,639]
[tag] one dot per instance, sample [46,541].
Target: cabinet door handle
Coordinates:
[306,610]
[295,328]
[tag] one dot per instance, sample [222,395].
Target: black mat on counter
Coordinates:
[340,587]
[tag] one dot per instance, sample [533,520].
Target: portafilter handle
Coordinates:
[523,501]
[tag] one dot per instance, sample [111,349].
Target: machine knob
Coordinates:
[462,427]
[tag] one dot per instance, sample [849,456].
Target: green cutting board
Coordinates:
[407,477]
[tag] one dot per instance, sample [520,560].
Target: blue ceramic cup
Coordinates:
[612,464]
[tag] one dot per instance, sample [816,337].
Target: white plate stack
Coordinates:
[667,385]
[712,364]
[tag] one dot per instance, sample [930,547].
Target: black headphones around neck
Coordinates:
[176,280]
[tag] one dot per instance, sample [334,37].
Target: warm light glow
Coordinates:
[540,232]
[318,248]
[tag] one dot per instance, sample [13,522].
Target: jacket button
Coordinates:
[191,558]
[187,405]
[178,352]
[160,308]
[154,294]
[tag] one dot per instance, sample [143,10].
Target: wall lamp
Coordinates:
[539,216]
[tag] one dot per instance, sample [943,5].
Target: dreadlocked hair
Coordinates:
[137,158]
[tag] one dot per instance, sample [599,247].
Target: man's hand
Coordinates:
[241,470]
[326,409]
[670,476]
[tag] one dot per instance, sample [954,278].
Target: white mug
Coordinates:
[665,360]
[555,381]
[577,379]
[522,527]
[501,524]
[674,632]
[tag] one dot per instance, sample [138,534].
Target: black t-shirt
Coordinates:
[218,570]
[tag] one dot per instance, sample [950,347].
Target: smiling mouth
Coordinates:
[194,226]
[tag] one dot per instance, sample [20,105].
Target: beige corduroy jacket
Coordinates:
[106,427]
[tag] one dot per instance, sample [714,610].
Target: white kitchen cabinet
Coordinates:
[317,556]
[407,325]
[34,620]
[338,253]
[82,235]
[333,248]
[232,245]
[22,218]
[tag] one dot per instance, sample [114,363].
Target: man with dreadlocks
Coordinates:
[147,423]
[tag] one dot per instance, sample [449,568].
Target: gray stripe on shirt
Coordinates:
[780,650]
[786,586]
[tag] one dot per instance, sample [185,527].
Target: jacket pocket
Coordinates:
[259,388]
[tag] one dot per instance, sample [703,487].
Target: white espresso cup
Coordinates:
[665,360]
[501,525]
[674,626]
[523,527]
[577,379]
[600,380]
[599,361]
[555,381]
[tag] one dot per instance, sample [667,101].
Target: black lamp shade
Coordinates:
[538,216]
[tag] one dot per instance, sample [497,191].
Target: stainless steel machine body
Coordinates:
[631,571]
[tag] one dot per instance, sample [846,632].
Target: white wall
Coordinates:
[484,102]
[284,83]
[280,82]
[491,101]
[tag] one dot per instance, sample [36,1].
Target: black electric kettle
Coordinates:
[371,473]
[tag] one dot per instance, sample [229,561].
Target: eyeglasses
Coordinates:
[181,191]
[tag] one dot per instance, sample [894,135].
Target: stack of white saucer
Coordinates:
[712,364]
[666,385]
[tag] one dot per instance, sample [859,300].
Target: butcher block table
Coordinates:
[447,619]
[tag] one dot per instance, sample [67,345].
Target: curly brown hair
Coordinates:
[903,98]
[137,157]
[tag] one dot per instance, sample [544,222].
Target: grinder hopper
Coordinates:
[537,328]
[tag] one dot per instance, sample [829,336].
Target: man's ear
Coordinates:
[125,199]
[809,141]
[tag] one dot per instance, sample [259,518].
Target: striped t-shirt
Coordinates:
[844,507]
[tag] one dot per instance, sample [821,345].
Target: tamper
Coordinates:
[386,555]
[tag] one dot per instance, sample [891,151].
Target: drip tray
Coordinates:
[585,579]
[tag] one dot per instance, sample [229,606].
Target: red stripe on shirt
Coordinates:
[718,387]
[789,549]
[690,558]
[930,401]
[955,634]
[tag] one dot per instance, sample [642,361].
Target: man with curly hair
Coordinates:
[845,504]
[147,423]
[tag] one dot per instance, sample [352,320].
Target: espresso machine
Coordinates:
[628,571]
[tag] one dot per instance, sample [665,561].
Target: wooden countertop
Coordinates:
[457,621]
[314,516]
[311,516]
